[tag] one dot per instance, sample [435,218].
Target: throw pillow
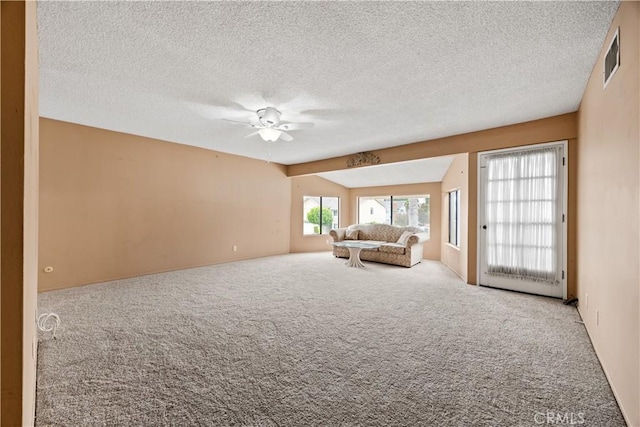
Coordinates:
[404,238]
[351,235]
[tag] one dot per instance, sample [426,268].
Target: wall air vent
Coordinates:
[612,58]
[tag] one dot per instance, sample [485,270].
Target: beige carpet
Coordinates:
[300,339]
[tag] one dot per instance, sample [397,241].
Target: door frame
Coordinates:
[565,197]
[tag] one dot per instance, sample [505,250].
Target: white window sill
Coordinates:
[452,246]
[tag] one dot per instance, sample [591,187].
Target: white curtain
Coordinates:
[522,214]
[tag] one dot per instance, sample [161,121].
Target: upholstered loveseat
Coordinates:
[405,252]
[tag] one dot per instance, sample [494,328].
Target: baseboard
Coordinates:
[168,270]
[606,374]
[464,279]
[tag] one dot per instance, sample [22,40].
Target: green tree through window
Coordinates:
[320,214]
[314,217]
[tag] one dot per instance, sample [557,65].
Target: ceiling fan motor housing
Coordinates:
[269,116]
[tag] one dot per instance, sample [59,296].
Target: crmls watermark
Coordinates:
[559,418]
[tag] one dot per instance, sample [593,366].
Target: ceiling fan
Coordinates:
[269,126]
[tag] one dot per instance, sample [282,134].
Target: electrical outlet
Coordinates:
[235,248]
[597,317]
[586,302]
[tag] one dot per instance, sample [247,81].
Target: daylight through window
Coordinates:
[402,211]
[454,217]
[320,214]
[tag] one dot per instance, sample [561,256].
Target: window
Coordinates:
[612,58]
[320,214]
[402,211]
[454,217]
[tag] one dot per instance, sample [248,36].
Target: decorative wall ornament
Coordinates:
[365,158]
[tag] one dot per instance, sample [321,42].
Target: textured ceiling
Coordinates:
[369,74]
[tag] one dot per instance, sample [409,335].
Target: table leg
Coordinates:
[354,258]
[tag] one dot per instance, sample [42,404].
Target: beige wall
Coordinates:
[431,247]
[551,129]
[314,186]
[114,205]
[19,207]
[472,218]
[457,177]
[31,201]
[609,214]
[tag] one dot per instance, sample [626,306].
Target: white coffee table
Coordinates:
[354,251]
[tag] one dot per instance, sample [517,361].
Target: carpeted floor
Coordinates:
[300,339]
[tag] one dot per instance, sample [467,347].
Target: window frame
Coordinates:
[390,198]
[454,223]
[304,219]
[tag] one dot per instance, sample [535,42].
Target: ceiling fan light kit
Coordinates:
[269,134]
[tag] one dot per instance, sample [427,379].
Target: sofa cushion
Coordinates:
[374,242]
[351,234]
[386,232]
[393,248]
[404,238]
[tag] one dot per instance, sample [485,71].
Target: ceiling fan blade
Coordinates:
[252,134]
[324,112]
[239,122]
[294,126]
[238,106]
[215,111]
[219,103]
[286,137]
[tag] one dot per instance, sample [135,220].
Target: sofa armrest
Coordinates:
[338,234]
[417,238]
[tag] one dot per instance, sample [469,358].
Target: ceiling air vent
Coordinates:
[612,58]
